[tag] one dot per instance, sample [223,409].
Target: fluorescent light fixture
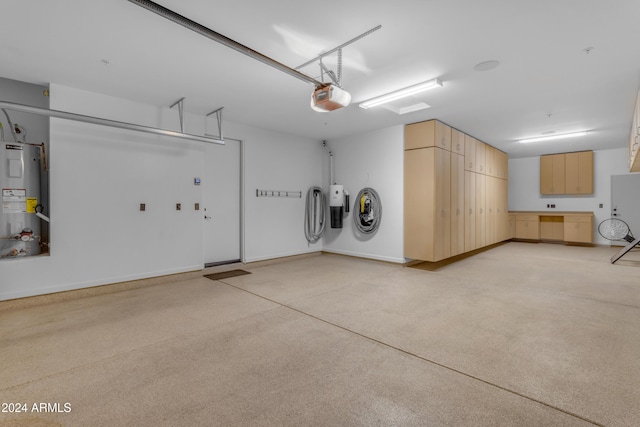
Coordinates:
[401,93]
[552,137]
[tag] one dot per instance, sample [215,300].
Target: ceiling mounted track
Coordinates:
[104,122]
[209,33]
[339,48]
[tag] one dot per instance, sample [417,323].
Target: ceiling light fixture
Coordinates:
[553,137]
[400,93]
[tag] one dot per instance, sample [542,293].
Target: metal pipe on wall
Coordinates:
[105,122]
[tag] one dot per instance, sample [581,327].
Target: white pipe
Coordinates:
[105,122]
[331,181]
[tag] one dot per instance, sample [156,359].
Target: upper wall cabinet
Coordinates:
[431,133]
[552,174]
[634,139]
[566,173]
[578,168]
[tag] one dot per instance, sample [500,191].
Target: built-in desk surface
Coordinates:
[565,226]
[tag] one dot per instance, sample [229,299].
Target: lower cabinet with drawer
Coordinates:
[570,227]
[527,227]
[578,228]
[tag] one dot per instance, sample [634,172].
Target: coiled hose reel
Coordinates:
[367,211]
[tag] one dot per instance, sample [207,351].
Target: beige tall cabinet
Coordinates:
[455,192]
[427,195]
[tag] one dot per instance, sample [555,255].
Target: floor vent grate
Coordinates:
[226,274]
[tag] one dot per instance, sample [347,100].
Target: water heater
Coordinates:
[20,186]
[338,204]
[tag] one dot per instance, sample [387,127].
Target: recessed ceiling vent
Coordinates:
[487,65]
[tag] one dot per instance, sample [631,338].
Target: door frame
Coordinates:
[241,231]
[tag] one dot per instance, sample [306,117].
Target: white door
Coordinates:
[221,191]
[625,200]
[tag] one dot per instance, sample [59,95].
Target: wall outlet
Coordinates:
[143,206]
[601,206]
[178,206]
[197,206]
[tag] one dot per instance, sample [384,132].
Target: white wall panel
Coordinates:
[100,175]
[274,227]
[375,160]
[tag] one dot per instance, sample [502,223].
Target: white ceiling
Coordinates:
[546,80]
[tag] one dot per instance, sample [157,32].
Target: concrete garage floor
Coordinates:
[519,335]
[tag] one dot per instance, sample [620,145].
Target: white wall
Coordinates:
[100,175]
[375,160]
[524,187]
[274,226]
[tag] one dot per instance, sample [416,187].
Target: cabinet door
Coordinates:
[579,172]
[521,229]
[512,226]
[503,211]
[585,172]
[457,142]
[552,174]
[420,135]
[443,136]
[419,196]
[469,210]
[469,153]
[480,157]
[578,228]
[481,215]
[457,204]
[527,227]
[504,165]
[442,226]
[490,161]
[491,209]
